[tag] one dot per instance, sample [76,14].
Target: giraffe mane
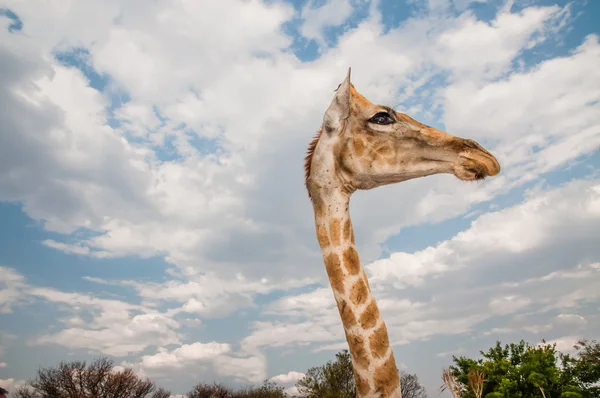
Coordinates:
[311,151]
[308,159]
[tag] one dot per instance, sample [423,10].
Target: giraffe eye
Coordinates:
[382,118]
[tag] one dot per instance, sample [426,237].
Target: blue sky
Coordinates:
[152,205]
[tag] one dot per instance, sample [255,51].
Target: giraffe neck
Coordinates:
[374,365]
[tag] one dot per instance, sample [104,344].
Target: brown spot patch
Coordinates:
[359,146]
[386,378]
[379,342]
[370,315]
[346,313]
[362,385]
[347,230]
[384,150]
[322,236]
[359,292]
[351,261]
[356,343]
[335,231]
[334,271]
[319,206]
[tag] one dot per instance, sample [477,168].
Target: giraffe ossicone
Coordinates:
[362,145]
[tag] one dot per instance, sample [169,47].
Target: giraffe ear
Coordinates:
[339,109]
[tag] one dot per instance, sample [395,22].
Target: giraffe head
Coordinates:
[362,145]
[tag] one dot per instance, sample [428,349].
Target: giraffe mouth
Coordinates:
[476,165]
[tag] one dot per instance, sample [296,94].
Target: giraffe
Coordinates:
[361,145]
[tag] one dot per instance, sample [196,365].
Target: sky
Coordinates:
[152,206]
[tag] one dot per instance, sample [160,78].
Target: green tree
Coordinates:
[215,390]
[98,379]
[268,390]
[335,379]
[520,371]
[585,367]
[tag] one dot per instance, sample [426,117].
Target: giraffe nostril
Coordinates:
[472,144]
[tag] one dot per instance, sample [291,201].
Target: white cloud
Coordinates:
[518,229]
[207,295]
[184,355]
[548,112]
[572,320]
[105,326]
[497,331]
[193,210]
[64,247]
[476,48]
[11,289]
[243,366]
[508,304]
[290,377]
[557,220]
[120,329]
[565,344]
[137,334]
[12,385]
[316,18]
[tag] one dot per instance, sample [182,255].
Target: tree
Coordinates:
[517,371]
[410,386]
[451,384]
[99,379]
[335,379]
[214,390]
[267,390]
[586,367]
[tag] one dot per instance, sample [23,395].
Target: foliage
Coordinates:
[451,384]
[99,379]
[476,380]
[267,390]
[335,379]
[524,371]
[585,366]
[214,390]
[410,386]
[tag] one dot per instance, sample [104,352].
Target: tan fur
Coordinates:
[353,152]
[308,159]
